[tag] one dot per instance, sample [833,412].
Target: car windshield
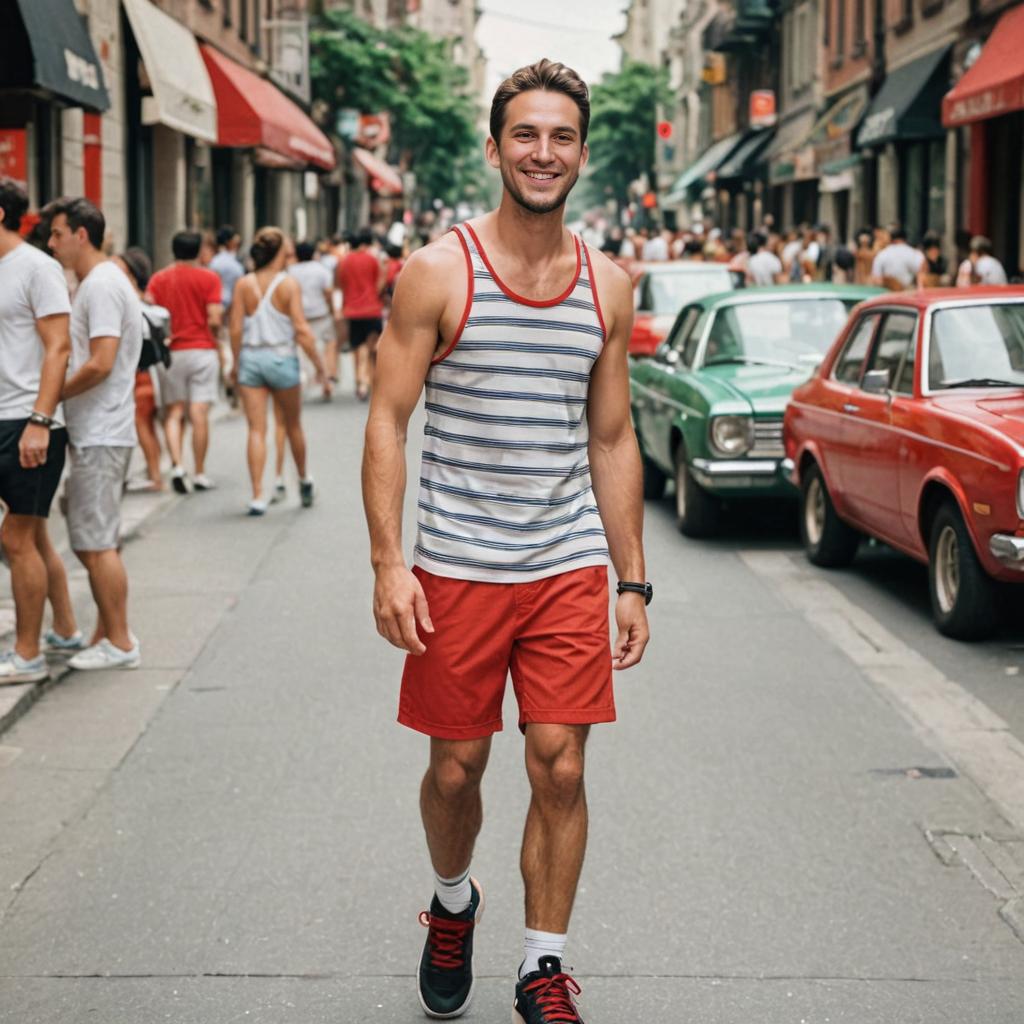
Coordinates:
[977,346]
[668,292]
[788,332]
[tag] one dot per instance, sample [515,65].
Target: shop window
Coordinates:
[840,31]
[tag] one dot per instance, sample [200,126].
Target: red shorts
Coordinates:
[551,635]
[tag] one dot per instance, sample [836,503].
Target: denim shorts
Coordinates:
[268,368]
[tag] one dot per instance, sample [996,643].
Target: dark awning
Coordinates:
[707,162]
[994,83]
[907,106]
[48,48]
[747,155]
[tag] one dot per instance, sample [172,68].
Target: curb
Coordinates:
[136,512]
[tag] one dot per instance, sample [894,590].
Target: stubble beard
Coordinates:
[554,203]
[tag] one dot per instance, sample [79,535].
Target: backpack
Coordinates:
[154,342]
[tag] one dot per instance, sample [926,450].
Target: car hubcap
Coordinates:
[681,489]
[814,511]
[947,569]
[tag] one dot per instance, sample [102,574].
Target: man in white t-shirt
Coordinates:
[980,267]
[896,266]
[317,287]
[34,348]
[763,266]
[99,407]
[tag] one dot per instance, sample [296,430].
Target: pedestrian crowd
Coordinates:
[99,355]
[882,255]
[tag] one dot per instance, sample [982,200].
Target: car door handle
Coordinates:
[850,407]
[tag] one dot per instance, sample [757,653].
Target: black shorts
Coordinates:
[360,330]
[29,492]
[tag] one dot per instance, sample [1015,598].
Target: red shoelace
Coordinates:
[446,940]
[552,996]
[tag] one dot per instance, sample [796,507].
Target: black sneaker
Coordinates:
[546,996]
[306,493]
[445,979]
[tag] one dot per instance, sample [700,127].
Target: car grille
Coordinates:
[768,439]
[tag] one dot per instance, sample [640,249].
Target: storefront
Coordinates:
[282,140]
[740,181]
[170,121]
[902,124]
[792,176]
[47,63]
[687,190]
[841,187]
[987,105]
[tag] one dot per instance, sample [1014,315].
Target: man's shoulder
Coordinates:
[437,260]
[607,272]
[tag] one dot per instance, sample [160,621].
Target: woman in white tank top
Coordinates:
[266,325]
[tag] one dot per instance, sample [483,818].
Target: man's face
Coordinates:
[64,243]
[541,152]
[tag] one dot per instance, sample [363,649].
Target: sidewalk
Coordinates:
[136,510]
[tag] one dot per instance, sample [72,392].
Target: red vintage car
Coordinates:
[912,431]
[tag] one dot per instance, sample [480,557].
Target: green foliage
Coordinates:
[623,127]
[412,76]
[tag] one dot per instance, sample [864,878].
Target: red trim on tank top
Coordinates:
[520,298]
[593,291]
[469,300]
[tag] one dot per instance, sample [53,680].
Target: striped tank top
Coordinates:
[505,493]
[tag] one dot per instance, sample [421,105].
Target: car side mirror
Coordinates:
[667,354]
[875,382]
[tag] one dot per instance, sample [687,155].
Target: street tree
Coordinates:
[623,128]
[410,75]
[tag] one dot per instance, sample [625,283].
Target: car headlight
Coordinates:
[732,435]
[1020,494]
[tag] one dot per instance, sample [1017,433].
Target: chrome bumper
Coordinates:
[736,472]
[1008,549]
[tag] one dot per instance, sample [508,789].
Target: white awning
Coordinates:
[182,93]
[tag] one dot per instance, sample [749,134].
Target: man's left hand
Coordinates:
[631,619]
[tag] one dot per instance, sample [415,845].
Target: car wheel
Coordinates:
[655,479]
[963,594]
[828,541]
[697,512]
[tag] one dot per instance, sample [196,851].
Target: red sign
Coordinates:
[664,129]
[14,155]
[762,108]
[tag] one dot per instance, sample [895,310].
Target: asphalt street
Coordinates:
[810,810]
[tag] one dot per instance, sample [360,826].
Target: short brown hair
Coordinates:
[547,76]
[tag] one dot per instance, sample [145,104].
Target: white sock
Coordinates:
[540,944]
[454,894]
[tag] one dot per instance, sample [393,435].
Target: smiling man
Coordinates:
[530,479]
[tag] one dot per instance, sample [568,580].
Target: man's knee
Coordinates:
[457,770]
[555,766]
[18,536]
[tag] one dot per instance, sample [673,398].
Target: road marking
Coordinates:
[954,721]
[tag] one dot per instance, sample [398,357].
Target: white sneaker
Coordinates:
[16,669]
[106,655]
[202,482]
[280,491]
[257,507]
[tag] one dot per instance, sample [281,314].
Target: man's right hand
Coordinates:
[399,605]
[33,446]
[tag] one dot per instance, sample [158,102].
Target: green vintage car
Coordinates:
[708,406]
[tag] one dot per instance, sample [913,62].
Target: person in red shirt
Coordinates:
[192,294]
[362,278]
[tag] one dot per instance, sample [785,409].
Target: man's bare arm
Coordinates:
[403,361]
[54,334]
[96,369]
[615,467]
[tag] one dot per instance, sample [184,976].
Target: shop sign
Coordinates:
[374,130]
[805,164]
[14,155]
[713,72]
[762,108]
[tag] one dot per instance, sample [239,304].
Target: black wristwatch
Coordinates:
[41,419]
[636,588]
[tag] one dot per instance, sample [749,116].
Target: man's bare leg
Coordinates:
[450,802]
[64,623]
[555,838]
[28,581]
[174,429]
[199,418]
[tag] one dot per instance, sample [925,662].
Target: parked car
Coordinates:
[913,432]
[662,289]
[708,407]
